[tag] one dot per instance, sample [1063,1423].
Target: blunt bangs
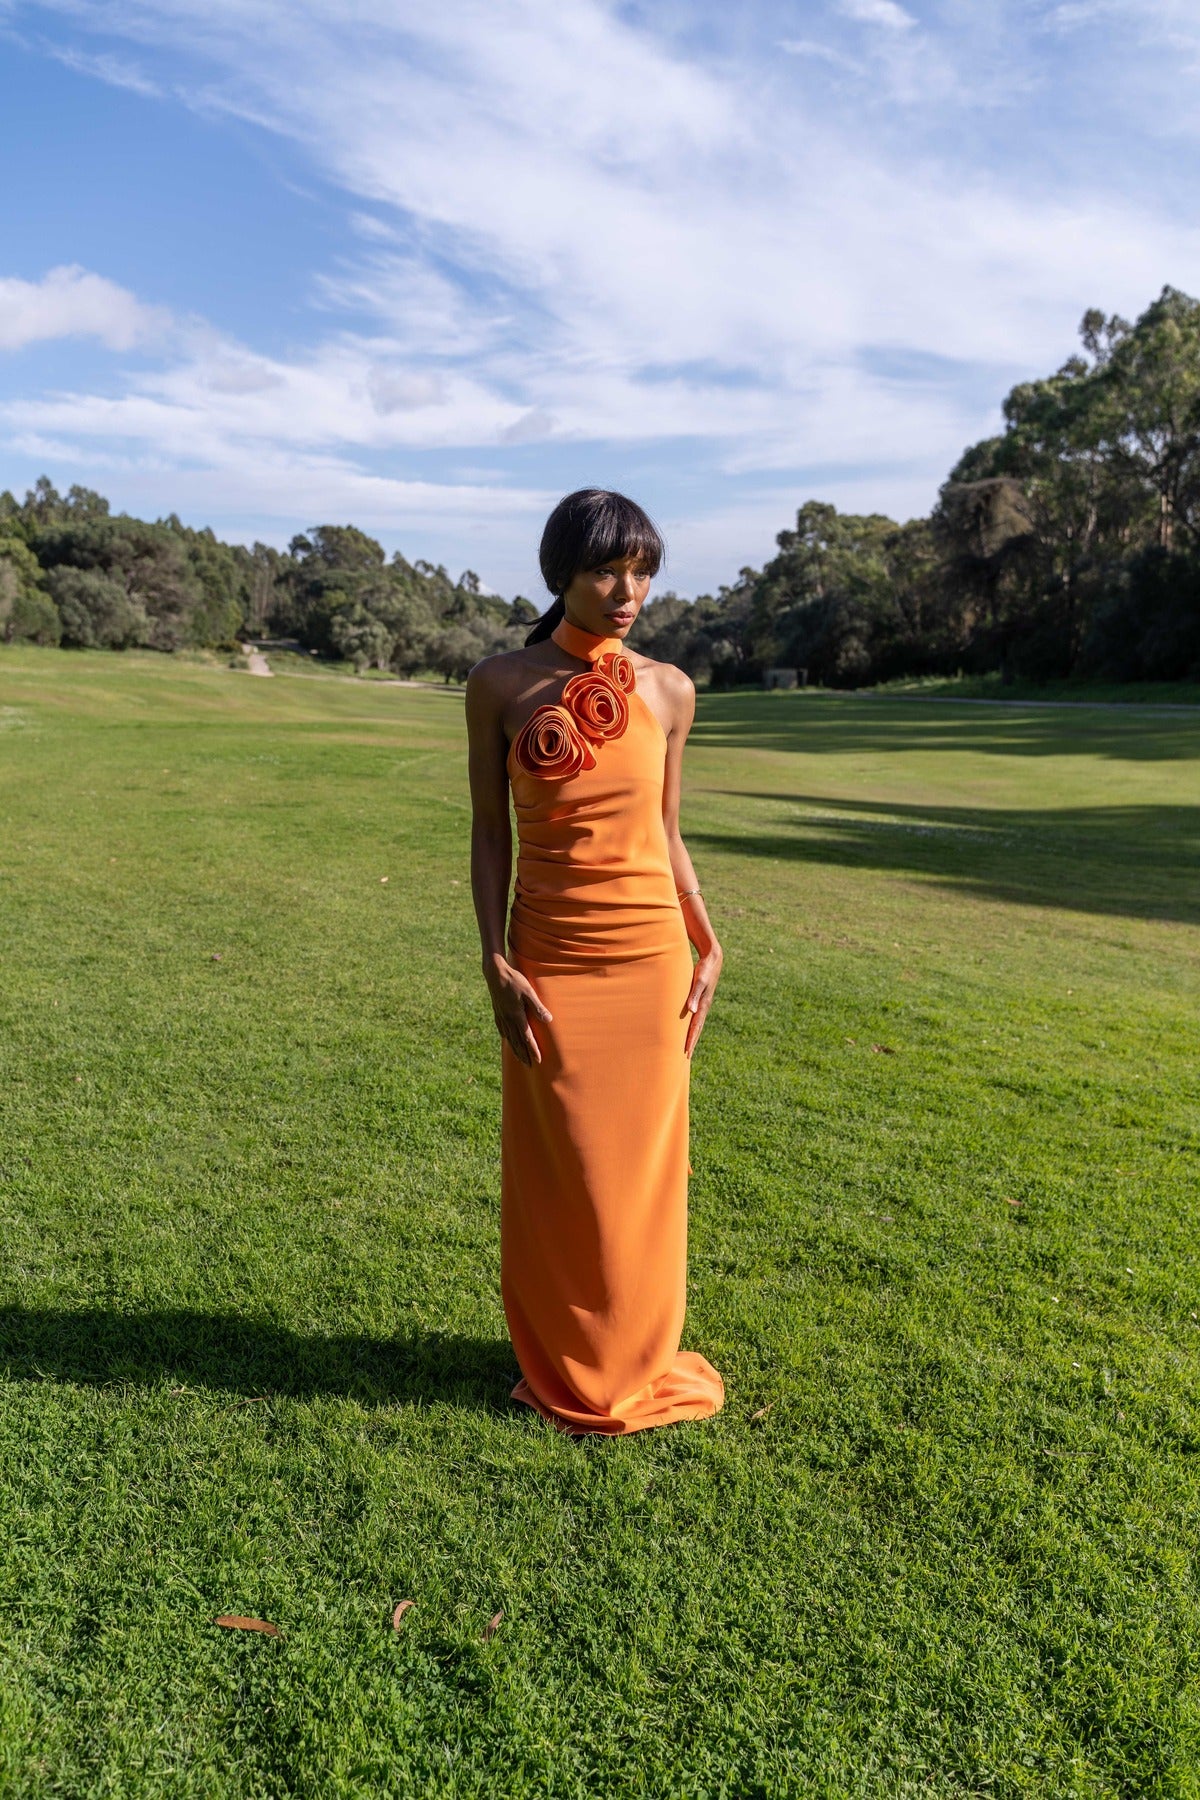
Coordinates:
[592,527]
[616,534]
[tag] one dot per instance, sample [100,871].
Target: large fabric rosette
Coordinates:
[598,705]
[619,669]
[551,744]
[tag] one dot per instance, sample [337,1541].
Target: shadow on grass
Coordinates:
[843,725]
[233,1354]
[1138,862]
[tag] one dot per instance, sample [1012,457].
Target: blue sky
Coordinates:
[428,268]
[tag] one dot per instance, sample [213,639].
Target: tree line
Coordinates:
[74,573]
[1067,545]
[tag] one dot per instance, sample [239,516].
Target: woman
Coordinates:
[595,996]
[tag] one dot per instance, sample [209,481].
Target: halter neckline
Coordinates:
[589,646]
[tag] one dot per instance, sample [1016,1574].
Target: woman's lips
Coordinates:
[620,618]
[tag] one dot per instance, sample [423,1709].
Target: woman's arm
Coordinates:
[513,995]
[705,975]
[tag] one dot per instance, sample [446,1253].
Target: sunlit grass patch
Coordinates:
[943,1249]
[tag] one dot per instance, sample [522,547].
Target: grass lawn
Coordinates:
[942,1540]
[1092,693]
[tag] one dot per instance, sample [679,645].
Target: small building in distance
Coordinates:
[784,678]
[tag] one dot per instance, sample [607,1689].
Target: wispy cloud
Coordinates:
[878,12]
[822,52]
[113,70]
[72,302]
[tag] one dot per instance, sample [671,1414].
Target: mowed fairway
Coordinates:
[945,1250]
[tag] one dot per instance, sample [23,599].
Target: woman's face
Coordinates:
[607,600]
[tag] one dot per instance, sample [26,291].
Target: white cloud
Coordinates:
[72,302]
[1075,12]
[560,232]
[397,390]
[878,12]
[113,70]
[822,52]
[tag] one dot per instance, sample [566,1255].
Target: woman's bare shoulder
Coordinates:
[669,676]
[501,674]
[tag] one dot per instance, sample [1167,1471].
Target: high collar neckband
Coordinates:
[587,645]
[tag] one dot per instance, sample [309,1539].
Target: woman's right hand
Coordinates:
[513,1000]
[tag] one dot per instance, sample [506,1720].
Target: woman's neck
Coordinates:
[576,640]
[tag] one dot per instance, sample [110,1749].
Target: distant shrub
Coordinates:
[26,611]
[33,619]
[95,611]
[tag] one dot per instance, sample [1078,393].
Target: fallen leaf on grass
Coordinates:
[762,1412]
[399,1613]
[493,1625]
[883,1049]
[234,1622]
[1009,1202]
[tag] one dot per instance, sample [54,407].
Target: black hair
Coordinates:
[586,529]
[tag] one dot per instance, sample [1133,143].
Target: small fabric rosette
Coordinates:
[619,669]
[550,744]
[597,704]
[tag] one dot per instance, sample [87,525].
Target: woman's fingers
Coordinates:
[529,995]
[515,1001]
[513,1024]
[511,1030]
[699,1001]
[695,1027]
[530,1049]
[530,1000]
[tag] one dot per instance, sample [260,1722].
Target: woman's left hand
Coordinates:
[705,976]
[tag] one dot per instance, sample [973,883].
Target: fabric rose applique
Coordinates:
[558,740]
[597,703]
[551,744]
[619,669]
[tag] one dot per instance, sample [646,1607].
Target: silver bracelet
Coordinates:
[687,894]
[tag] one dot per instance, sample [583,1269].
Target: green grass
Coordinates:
[991,687]
[252,1354]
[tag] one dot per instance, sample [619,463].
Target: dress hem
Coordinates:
[702,1407]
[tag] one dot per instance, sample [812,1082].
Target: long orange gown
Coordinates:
[594,1138]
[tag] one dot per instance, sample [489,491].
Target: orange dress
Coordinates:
[594,1138]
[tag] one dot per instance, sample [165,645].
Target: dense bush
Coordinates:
[26,611]
[97,613]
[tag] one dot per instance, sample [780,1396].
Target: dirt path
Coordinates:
[256,662]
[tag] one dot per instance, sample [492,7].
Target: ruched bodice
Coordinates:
[593,871]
